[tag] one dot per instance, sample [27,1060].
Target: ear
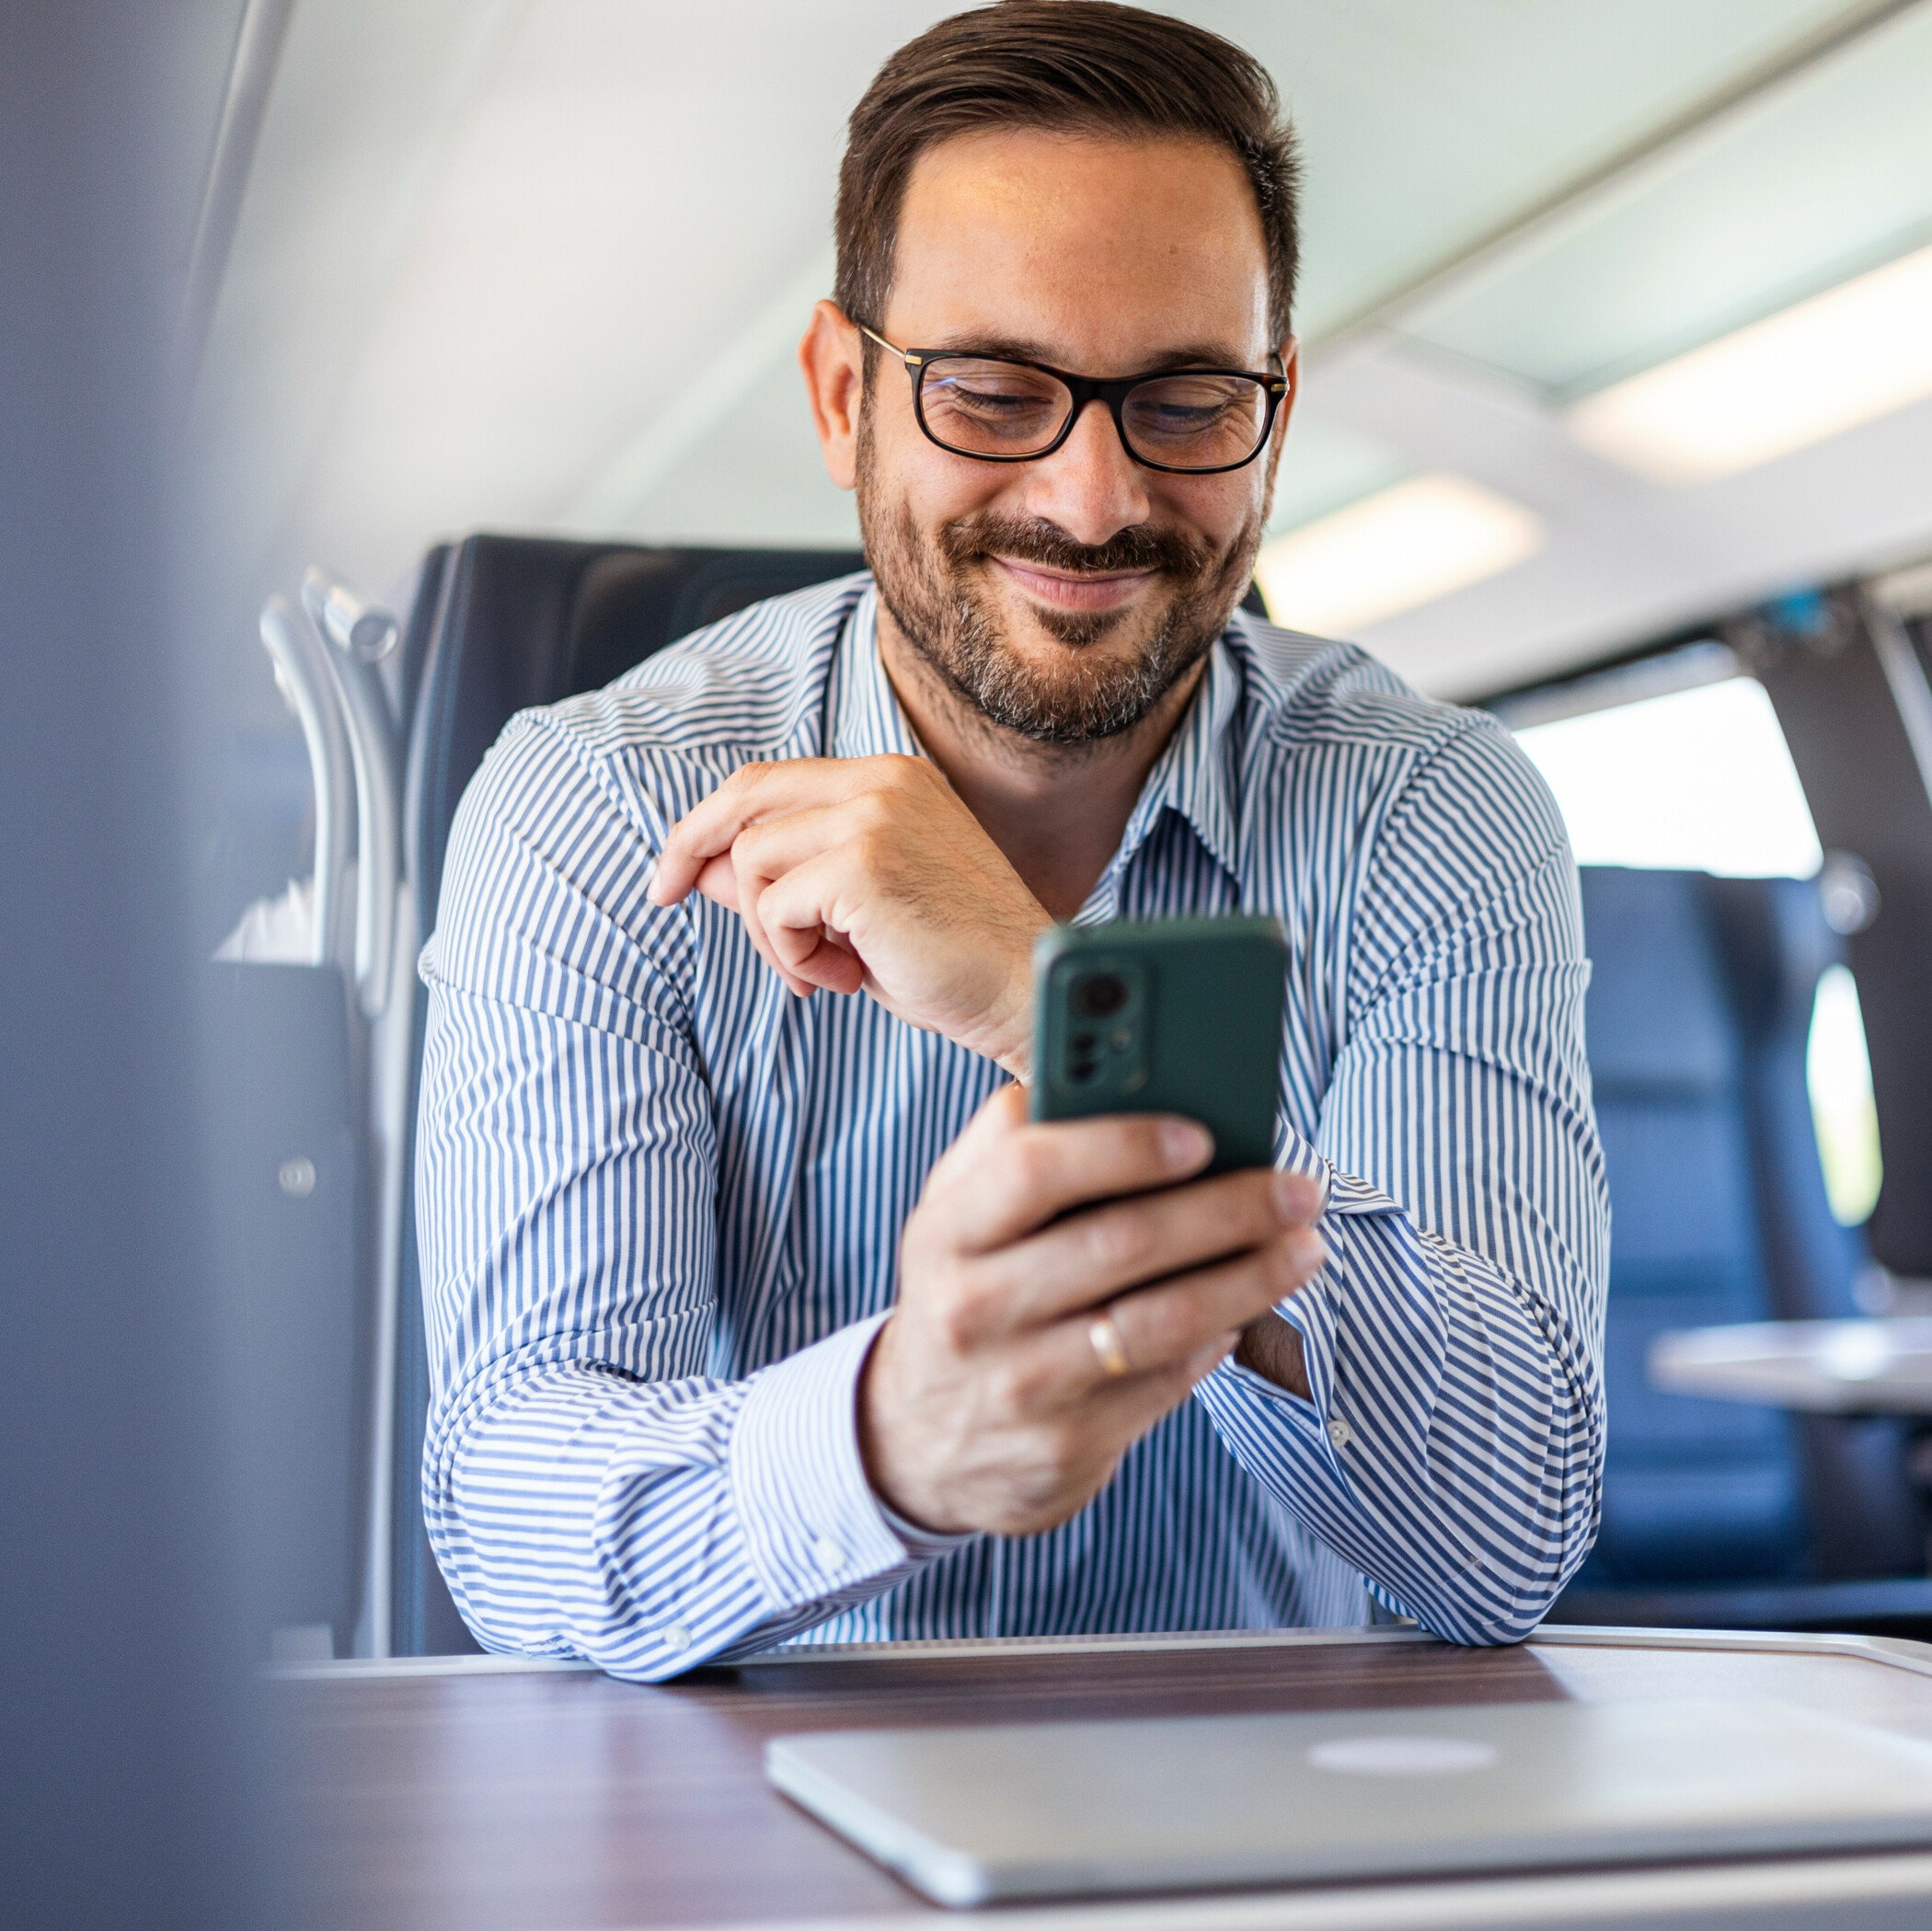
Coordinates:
[1291,354]
[832,361]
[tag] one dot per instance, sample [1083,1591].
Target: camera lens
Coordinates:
[1100,996]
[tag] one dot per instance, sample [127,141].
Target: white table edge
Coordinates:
[1709,1895]
[1891,1652]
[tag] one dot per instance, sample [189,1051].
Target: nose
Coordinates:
[1089,487]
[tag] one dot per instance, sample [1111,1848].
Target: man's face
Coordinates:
[1064,597]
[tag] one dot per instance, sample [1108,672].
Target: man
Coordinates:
[756,1306]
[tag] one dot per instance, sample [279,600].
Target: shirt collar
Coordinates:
[1194,775]
[866,720]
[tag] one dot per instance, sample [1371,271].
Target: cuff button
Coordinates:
[829,1557]
[677,1638]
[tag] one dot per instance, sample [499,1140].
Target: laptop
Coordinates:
[1014,1810]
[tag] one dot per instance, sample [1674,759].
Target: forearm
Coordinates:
[1272,1348]
[1451,1443]
[647,1527]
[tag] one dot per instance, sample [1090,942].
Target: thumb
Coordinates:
[718,880]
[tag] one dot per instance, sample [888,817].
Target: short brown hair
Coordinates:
[1087,66]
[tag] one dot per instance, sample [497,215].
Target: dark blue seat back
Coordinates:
[1694,1489]
[1698,1018]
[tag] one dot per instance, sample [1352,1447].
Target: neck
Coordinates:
[1058,811]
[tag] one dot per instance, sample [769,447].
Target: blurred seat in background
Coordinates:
[290,1187]
[1717,1514]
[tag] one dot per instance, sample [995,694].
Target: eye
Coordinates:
[1211,417]
[981,404]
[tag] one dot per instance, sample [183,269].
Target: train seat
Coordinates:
[1697,1017]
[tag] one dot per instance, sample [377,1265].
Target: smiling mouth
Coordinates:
[1075,590]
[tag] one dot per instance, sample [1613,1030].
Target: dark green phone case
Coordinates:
[1170,1016]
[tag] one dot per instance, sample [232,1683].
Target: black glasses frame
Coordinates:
[1113,391]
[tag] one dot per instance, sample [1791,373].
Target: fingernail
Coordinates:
[1310,1252]
[1183,1144]
[1297,1199]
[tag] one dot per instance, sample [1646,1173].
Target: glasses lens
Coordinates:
[1196,421]
[984,407]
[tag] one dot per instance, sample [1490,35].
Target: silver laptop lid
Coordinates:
[967,1815]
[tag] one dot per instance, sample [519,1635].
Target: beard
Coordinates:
[935,590]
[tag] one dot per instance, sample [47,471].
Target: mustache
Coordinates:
[1029,539]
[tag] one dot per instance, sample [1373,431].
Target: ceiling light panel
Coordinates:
[1825,176]
[1822,367]
[1426,125]
[1394,551]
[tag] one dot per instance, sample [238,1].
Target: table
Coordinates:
[1828,1367]
[499,1795]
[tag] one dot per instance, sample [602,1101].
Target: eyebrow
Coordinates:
[1020,348]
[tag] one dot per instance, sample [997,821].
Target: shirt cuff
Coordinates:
[812,1526]
[922,1545]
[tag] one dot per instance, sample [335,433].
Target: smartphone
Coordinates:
[1166,1016]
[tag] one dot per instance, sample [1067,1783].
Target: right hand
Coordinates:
[984,1405]
[869,873]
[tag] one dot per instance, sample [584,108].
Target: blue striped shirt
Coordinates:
[660,1198]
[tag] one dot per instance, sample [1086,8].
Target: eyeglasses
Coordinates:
[1186,422]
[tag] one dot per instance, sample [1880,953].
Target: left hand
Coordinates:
[870,874]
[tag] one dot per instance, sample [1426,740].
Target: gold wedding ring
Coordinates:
[1105,1339]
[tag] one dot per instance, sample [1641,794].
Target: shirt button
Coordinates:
[1340,1433]
[677,1638]
[829,1557]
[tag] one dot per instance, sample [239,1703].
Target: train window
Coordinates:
[1701,779]
[1697,780]
[1838,1071]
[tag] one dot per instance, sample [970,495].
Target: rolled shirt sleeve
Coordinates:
[1451,1445]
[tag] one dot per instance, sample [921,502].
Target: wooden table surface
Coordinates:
[495,1800]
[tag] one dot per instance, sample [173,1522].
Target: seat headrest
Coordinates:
[509,621]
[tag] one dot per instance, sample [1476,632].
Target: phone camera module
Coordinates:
[1101,997]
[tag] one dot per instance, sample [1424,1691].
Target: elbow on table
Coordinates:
[1483,1608]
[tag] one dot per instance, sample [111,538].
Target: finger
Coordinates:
[803,916]
[778,844]
[1019,1182]
[727,883]
[1303,1197]
[1159,1326]
[1094,1255]
[751,792]
[1121,1412]
[819,962]
[1161,1329]
[797,930]
[718,879]
[747,888]
[736,880]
